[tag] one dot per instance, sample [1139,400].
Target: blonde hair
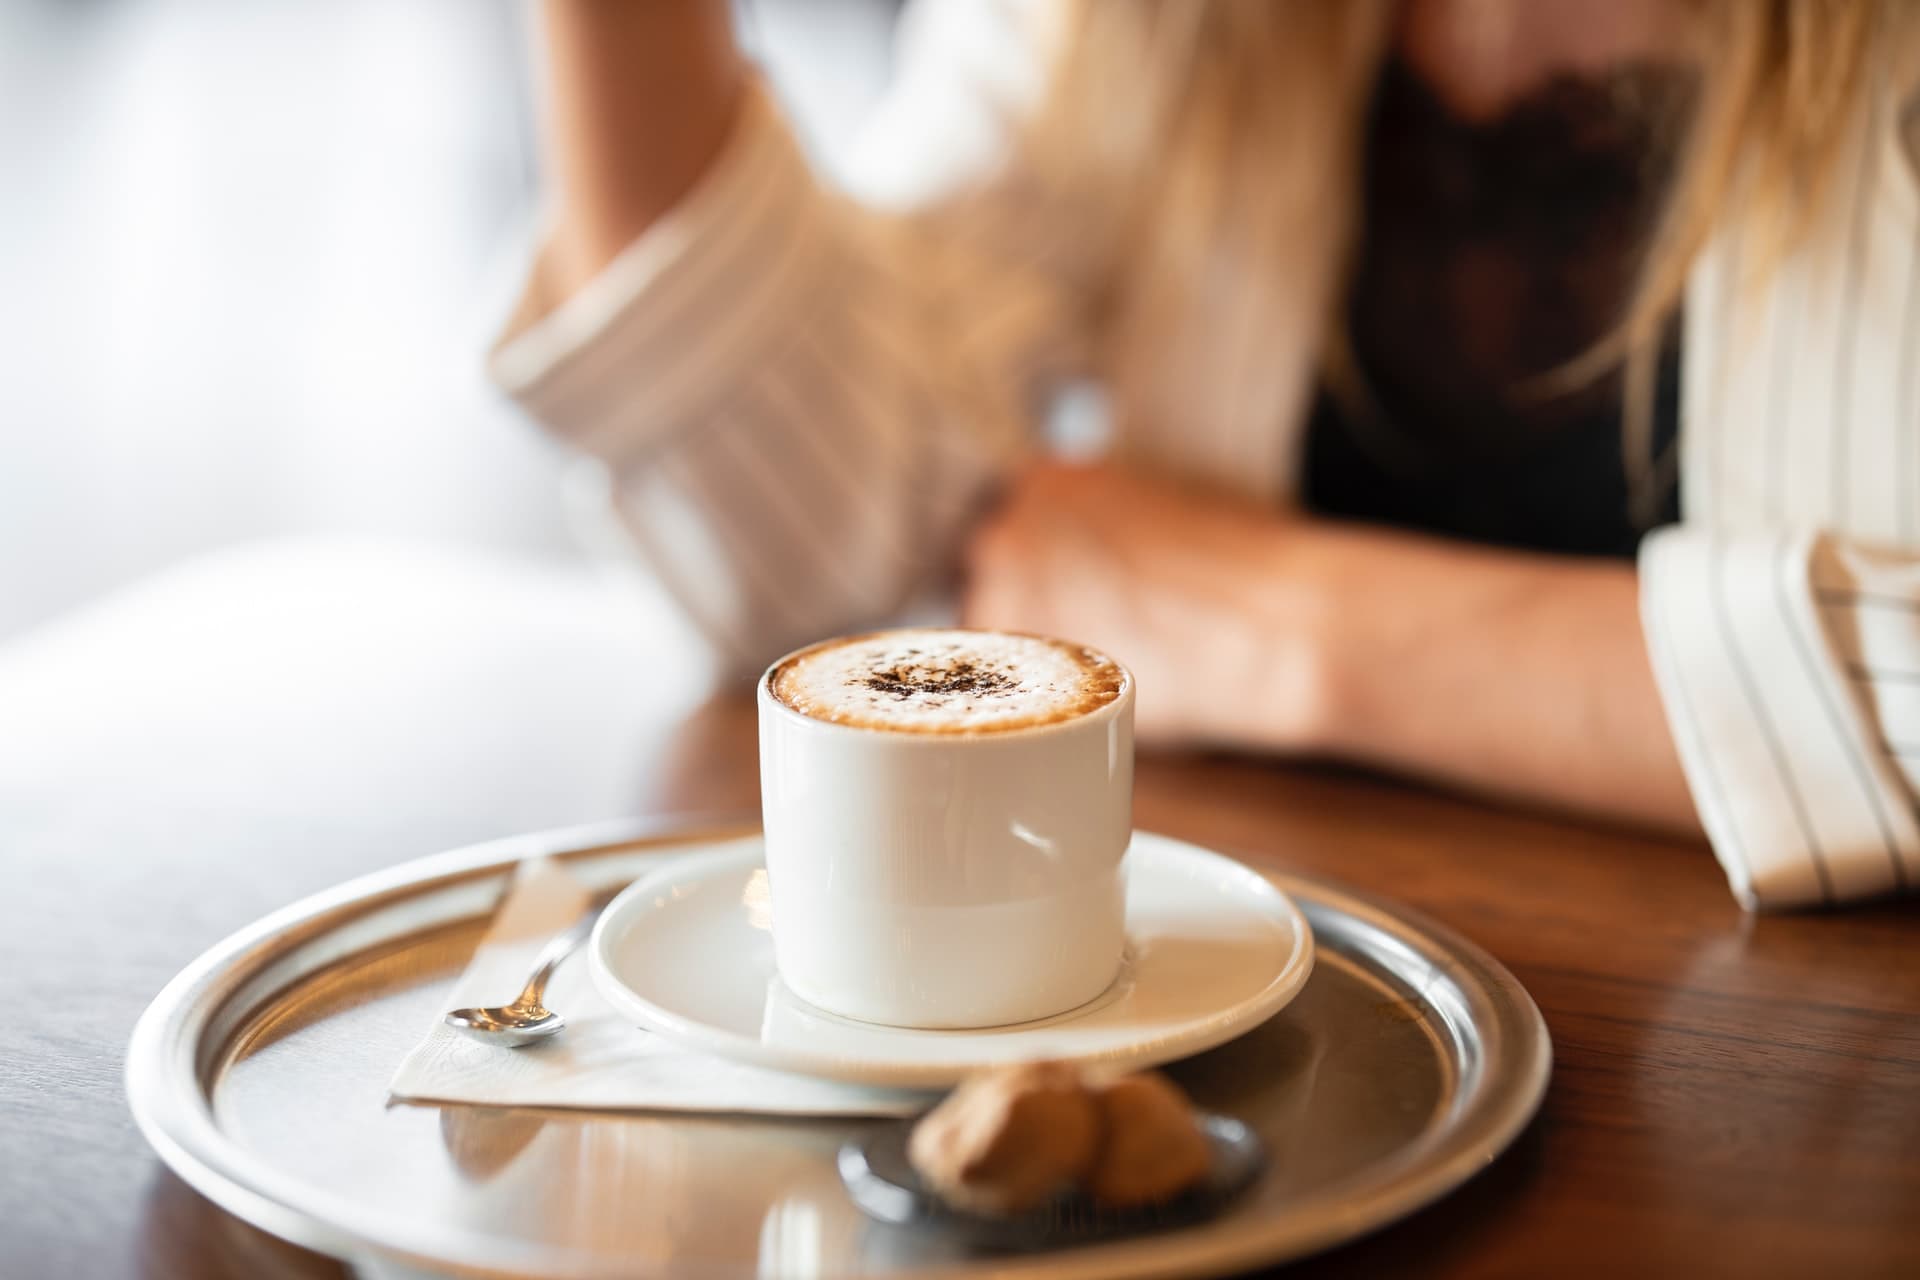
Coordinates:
[1251,109]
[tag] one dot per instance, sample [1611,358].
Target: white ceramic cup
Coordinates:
[947,879]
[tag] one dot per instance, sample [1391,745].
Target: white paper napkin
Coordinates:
[601,1060]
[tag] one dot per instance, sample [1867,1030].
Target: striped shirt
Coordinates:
[801,396]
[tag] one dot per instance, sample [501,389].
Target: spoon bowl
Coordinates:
[527,1019]
[510,1025]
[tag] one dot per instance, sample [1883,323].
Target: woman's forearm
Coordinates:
[639,102]
[1516,674]
[1519,675]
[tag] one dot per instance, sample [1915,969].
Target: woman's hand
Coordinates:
[1188,589]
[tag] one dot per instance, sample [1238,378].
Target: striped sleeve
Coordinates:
[1783,618]
[616,366]
[1789,665]
[799,400]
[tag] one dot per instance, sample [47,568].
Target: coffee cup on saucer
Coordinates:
[947,815]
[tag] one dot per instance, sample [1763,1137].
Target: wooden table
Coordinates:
[1731,1095]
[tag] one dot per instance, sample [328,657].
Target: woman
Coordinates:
[1400,310]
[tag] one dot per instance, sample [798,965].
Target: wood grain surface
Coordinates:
[1731,1095]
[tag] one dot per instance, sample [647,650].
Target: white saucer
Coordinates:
[1213,950]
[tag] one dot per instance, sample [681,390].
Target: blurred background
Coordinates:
[251,255]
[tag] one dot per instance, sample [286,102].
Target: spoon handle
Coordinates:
[562,946]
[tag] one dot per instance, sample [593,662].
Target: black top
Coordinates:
[1493,253]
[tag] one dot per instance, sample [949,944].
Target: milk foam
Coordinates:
[946,681]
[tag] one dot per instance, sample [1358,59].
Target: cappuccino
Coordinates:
[946,681]
[947,816]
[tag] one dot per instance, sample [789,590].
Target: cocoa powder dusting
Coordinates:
[956,675]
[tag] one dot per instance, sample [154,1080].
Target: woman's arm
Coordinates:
[1511,674]
[1517,674]
[799,400]
[640,98]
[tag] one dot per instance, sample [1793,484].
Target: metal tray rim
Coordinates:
[172,1109]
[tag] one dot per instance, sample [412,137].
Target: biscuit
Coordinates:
[1009,1139]
[1151,1149]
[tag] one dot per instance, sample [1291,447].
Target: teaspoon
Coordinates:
[526,1019]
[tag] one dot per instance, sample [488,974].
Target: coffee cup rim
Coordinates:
[765,696]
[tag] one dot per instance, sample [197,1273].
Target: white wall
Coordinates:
[250,253]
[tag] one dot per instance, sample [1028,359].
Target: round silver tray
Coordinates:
[259,1074]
